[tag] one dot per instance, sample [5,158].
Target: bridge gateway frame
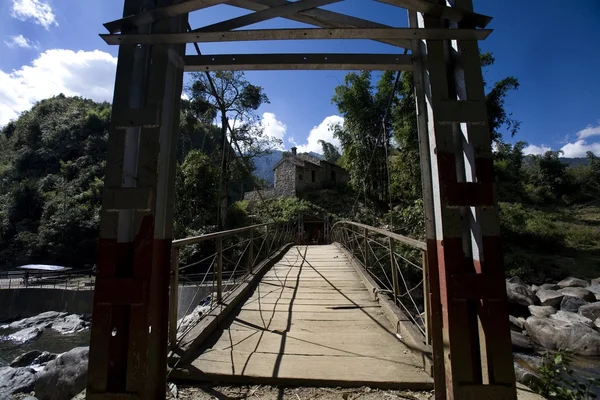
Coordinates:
[468,306]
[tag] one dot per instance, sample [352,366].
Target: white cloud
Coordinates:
[580,148]
[41,13]
[21,41]
[533,149]
[272,127]
[589,131]
[292,140]
[89,74]
[322,132]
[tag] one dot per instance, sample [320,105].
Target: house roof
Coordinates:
[300,162]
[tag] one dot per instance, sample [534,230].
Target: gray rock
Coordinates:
[597,323]
[16,380]
[596,281]
[63,377]
[579,292]
[520,342]
[549,297]
[44,358]
[534,288]
[595,289]
[572,304]
[29,398]
[516,279]
[591,311]
[515,324]
[27,334]
[571,317]
[69,324]
[573,282]
[554,334]
[525,376]
[520,294]
[541,311]
[25,359]
[40,319]
[549,286]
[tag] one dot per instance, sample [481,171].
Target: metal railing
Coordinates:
[397,263]
[222,263]
[73,280]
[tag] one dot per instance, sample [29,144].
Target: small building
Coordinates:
[296,174]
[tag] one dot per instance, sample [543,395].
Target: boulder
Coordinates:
[516,279]
[555,334]
[44,358]
[27,334]
[573,282]
[515,324]
[591,311]
[549,297]
[69,324]
[549,286]
[596,281]
[25,359]
[571,317]
[572,304]
[595,289]
[597,323]
[521,343]
[525,376]
[16,380]
[541,311]
[579,292]
[519,294]
[40,319]
[534,288]
[63,377]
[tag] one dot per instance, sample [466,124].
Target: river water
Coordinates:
[49,340]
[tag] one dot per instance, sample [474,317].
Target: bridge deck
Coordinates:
[310,321]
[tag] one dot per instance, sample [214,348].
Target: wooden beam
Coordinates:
[269,13]
[264,62]
[300,34]
[160,13]
[319,17]
[440,10]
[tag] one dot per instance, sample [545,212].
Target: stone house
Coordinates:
[297,173]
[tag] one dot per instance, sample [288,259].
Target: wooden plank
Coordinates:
[320,17]
[298,34]
[443,11]
[263,15]
[160,13]
[264,62]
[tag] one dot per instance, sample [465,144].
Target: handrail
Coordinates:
[404,239]
[214,235]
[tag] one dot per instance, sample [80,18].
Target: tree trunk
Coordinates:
[223,176]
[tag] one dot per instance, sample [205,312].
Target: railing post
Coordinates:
[426,295]
[174,297]
[394,270]
[366,247]
[219,269]
[251,251]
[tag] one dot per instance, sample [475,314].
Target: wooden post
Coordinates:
[174,297]
[219,269]
[251,251]
[366,247]
[394,270]
[426,291]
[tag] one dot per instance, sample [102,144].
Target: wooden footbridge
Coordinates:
[370,308]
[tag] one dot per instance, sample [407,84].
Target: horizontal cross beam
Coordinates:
[266,62]
[160,13]
[299,34]
[440,10]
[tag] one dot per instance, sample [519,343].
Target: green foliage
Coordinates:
[557,381]
[330,153]
[283,209]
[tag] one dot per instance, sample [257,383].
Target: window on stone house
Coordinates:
[300,176]
[313,175]
[333,176]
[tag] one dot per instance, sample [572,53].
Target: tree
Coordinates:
[229,96]
[330,153]
[365,135]
[549,181]
[508,165]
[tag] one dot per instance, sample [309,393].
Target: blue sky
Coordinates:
[551,46]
